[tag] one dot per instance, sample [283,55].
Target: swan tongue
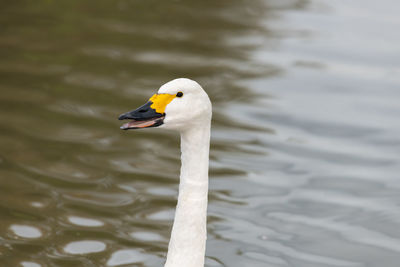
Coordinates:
[135,124]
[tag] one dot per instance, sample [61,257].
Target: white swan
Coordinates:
[183,105]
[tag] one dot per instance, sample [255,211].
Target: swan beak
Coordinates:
[142,117]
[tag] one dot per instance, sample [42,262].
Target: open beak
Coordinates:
[142,117]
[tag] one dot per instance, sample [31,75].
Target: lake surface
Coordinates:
[305,150]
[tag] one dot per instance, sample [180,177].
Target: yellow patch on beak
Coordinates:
[160,102]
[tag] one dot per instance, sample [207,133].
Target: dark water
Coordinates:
[305,144]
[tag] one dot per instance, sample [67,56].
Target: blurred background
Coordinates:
[305,164]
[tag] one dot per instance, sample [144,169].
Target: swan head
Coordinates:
[179,104]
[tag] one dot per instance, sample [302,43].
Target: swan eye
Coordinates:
[179,94]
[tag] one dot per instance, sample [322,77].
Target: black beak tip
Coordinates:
[122,116]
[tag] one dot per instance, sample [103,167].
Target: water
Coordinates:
[304,164]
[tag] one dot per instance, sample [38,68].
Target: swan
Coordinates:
[183,105]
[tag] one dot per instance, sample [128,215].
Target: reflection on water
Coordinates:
[84,247]
[85,221]
[29,264]
[25,231]
[305,143]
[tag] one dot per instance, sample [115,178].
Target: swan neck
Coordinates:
[189,232]
[195,145]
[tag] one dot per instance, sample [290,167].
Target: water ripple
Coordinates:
[349,232]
